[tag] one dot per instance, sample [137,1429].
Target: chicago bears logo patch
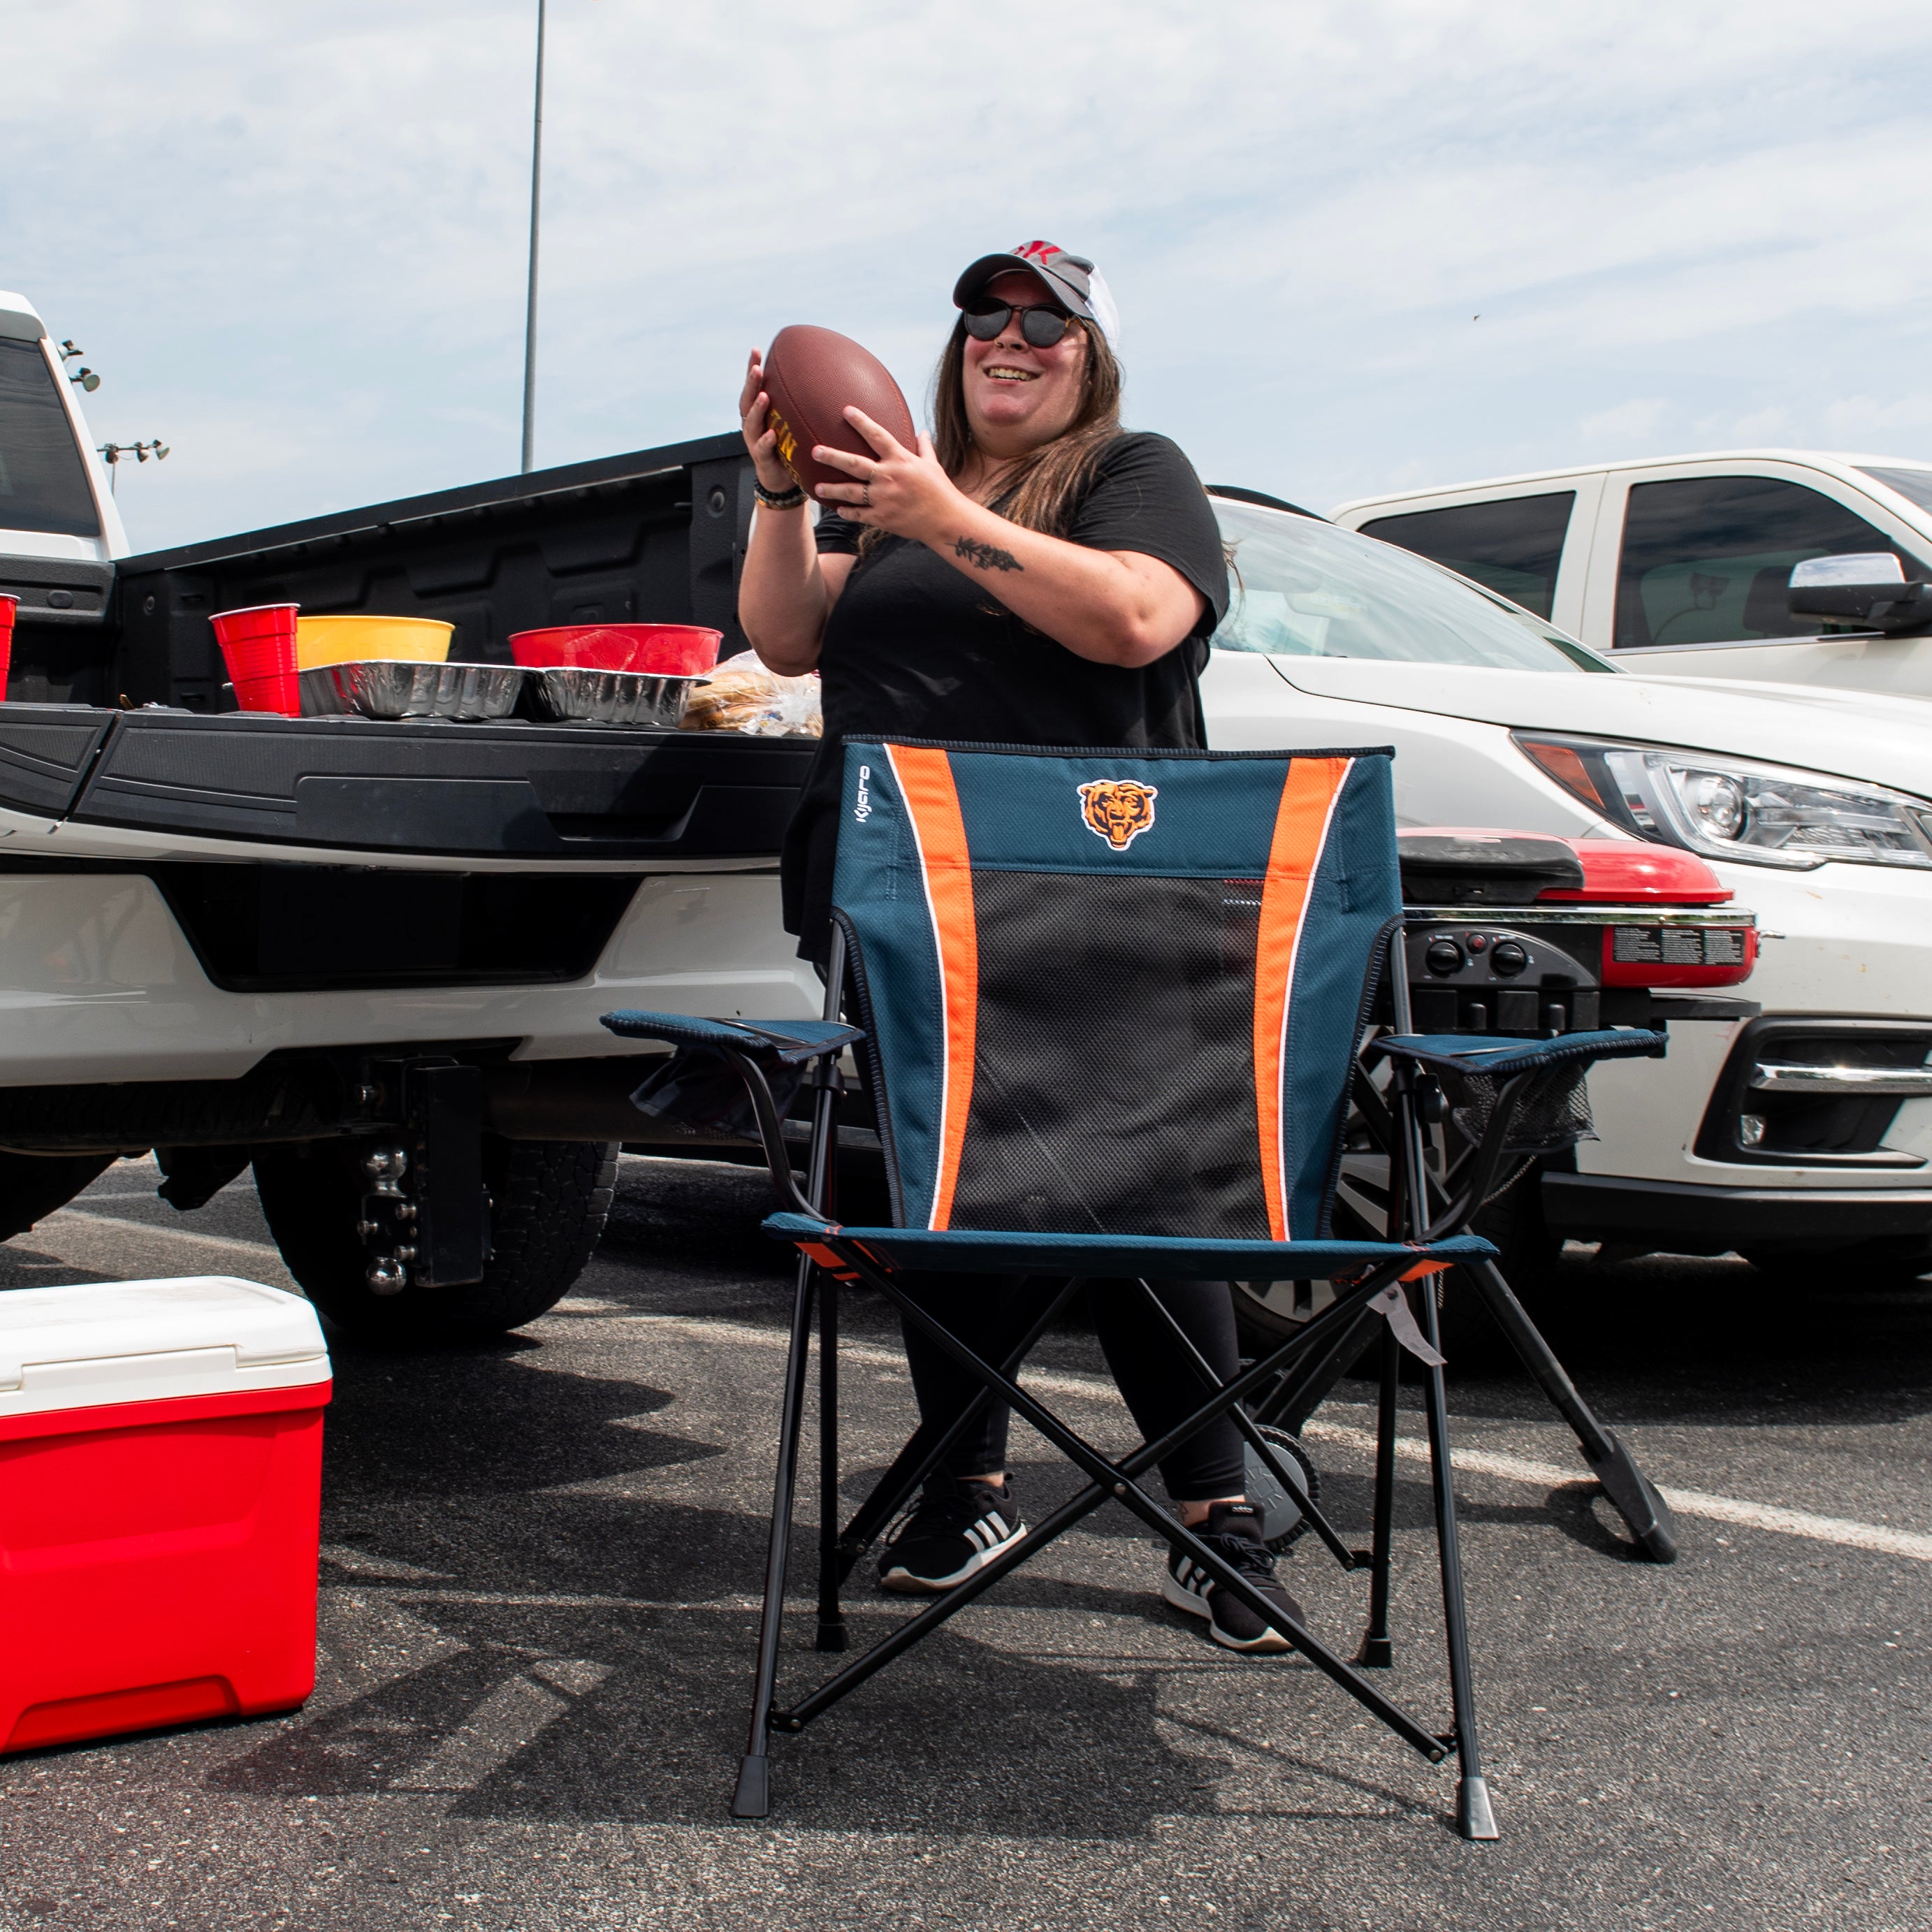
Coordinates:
[1118,810]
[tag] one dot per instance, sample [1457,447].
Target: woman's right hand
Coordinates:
[761,440]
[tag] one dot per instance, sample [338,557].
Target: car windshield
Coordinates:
[1915,484]
[1300,587]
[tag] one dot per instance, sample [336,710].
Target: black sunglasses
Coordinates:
[1042,326]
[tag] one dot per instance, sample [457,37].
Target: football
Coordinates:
[811,375]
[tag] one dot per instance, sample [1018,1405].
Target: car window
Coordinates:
[1916,485]
[1707,560]
[43,479]
[1300,587]
[1513,546]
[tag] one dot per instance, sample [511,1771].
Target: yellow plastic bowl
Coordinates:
[327,640]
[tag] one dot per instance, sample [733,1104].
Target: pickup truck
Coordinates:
[368,956]
[1683,566]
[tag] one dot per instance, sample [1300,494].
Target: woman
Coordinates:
[1031,574]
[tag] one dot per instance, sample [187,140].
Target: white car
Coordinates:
[1681,566]
[1807,1128]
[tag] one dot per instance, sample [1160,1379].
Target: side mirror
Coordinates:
[1866,591]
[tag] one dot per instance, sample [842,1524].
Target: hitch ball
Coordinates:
[385,1275]
[386,1167]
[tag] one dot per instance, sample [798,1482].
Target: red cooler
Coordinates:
[160,1477]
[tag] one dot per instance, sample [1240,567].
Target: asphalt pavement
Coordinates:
[540,1558]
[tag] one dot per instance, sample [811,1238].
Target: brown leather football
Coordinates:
[811,375]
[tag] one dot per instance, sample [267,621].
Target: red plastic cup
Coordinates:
[258,645]
[8,605]
[267,693]
[658,650]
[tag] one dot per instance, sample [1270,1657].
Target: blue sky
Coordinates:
[1355,246]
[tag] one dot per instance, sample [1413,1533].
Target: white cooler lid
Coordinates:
[99,1342]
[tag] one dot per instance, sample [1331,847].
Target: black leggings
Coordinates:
[1160,1384]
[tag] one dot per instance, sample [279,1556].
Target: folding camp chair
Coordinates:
[1110,1004]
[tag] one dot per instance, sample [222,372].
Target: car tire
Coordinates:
[549,1201]
[1528,1255]
[34,1184]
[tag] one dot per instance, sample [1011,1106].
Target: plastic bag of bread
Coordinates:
[743,695]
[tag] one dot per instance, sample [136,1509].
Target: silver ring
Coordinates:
[865,501]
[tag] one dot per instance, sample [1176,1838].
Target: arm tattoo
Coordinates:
[985,556]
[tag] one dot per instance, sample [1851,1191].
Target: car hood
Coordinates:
[1885,741]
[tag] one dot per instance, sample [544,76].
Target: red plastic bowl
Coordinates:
[660,650]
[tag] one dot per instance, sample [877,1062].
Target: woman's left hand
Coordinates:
[900,491]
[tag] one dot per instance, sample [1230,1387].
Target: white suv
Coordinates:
[1807,1128]
[1681,566]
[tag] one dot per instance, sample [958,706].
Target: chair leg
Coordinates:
[1269,1456]
[1474,1817]
[831,1614]
[1378,1652]
[927,1444]
[1647,1514]
[1299,1394]
[753,1796]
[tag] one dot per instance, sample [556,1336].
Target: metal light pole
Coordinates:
[530,312]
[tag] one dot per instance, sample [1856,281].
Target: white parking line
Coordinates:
[1853,1535]
[225,1244]
[1686,1502]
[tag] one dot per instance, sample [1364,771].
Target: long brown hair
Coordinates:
[1040,490]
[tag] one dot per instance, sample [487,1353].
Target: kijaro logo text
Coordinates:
[862,810]
[1118,810]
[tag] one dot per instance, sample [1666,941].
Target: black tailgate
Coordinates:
[504,789]
[45,751]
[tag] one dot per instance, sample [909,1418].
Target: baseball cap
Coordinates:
[1071,280]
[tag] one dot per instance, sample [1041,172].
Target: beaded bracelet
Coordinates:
[773,500]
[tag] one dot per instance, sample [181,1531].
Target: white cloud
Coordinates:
[1767,425]
[1634,421]
[291,237]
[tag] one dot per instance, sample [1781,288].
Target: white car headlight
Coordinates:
[1727,807]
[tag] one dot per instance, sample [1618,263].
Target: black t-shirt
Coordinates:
[915,648]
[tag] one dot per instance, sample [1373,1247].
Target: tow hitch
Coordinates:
[426,1215]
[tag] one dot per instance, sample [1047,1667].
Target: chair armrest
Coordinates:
[1502,1059]
[788,1042]
[1513,1065]
[757,1050]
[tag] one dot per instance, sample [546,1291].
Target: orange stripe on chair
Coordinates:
[1300,830]
[932,801]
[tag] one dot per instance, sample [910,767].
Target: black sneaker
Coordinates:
[1234,1531]
[957,1528]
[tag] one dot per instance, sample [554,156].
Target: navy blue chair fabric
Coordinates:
[1111,1000]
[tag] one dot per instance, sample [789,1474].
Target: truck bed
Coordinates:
[655,535]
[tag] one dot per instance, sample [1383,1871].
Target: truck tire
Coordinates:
[549,1201]
[34,1184]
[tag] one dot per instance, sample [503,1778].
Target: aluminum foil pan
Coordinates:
[388,687]
[568,694]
